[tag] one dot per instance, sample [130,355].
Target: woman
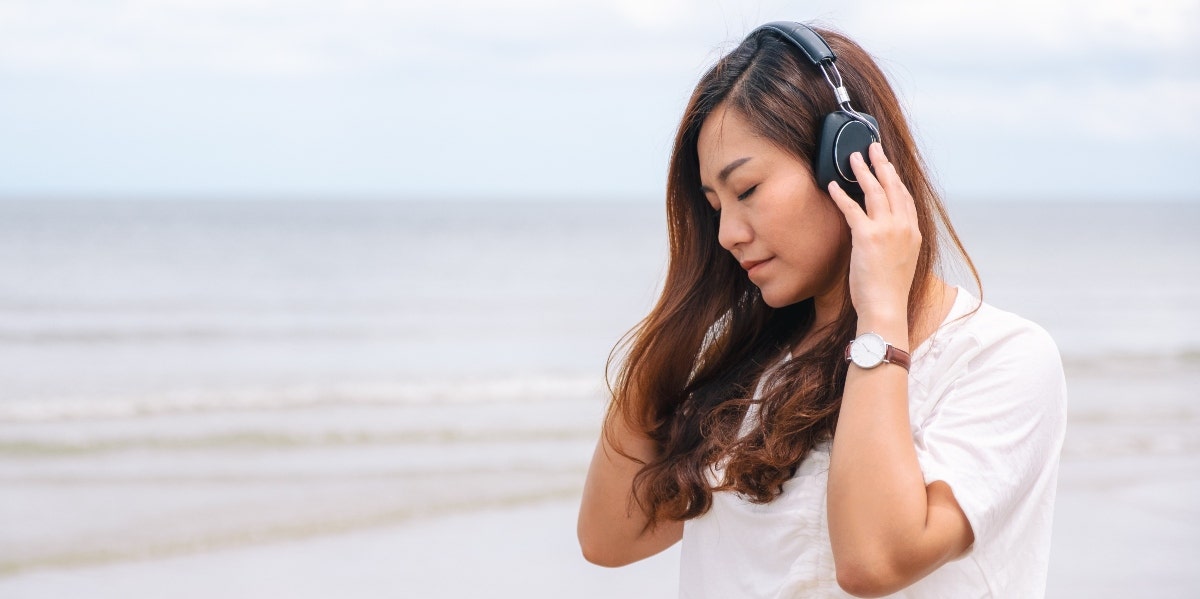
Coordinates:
[739,423]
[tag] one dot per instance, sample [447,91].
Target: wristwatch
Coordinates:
[870,350]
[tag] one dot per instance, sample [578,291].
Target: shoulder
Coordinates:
[988,355]
[987,335]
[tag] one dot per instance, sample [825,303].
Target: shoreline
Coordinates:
[1120,530]
[529,550]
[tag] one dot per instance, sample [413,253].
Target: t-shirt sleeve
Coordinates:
[997,426]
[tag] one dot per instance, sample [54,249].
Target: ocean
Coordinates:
[197,377]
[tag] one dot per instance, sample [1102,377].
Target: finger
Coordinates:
[899,198]
[880,167]
[874,196]
[853,212]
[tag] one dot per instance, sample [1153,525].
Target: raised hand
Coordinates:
[885,239]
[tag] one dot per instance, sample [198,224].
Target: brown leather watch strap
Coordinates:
[897,356]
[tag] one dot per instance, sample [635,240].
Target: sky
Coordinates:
[1020,99]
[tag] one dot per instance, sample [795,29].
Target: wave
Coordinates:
[253,440]
[128,335]
[517,389]
[271,529]
[1184,358]
[1183,363]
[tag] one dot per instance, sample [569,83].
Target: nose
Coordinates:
[733,229]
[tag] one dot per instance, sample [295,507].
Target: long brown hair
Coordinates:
[688,369]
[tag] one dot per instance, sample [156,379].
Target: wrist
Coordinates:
[869,350]
[894,329]
[884,312]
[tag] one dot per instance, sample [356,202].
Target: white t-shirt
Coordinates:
[987,407]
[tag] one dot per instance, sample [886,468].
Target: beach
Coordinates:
[379,400]
[459,507]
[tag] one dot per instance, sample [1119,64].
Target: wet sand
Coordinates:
[478,498]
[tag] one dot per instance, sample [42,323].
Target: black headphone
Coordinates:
[843,132]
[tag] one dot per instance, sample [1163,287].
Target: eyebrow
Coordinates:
[724,174]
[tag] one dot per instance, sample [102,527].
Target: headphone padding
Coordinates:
[842,135]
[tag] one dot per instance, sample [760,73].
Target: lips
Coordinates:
[750,265]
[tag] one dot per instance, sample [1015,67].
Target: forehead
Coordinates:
[725,136]
[722,129]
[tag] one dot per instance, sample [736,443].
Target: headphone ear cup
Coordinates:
[842,135]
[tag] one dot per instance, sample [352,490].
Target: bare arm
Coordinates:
[887,528]
[610,522]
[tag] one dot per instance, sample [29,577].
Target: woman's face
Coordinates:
[789,235]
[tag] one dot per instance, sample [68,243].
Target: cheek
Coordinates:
[821,235]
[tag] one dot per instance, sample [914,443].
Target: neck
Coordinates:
[935,300]
[826,309]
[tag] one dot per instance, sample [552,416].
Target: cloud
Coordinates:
[313,38]
[386,80]
[296,38]
[1090,111]
[1025,28]
[309,37]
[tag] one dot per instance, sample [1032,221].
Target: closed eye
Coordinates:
[746,194]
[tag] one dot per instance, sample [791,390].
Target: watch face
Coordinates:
[868,350]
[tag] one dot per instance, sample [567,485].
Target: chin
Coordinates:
[777,300]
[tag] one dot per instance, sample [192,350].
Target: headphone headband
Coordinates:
[810,42]
[844,131]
